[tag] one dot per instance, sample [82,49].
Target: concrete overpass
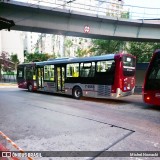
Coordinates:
[35,18]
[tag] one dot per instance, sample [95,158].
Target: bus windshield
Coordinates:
[128,65]
[153,75]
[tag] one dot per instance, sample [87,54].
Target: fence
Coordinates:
[99,7]
[8,78]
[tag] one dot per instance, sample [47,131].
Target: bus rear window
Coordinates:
[128,66]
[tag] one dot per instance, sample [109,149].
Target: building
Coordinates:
[12,42]
[115,8]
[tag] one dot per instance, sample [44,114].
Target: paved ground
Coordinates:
[46,122]
[8,85]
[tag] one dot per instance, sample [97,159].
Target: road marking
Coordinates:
[13,144]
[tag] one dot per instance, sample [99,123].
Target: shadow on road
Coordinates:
[107,100]
[129,100]
[152,107]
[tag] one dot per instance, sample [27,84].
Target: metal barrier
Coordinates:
[8,78]
[99,7]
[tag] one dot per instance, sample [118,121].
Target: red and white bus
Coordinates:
[151,86]
[105,76]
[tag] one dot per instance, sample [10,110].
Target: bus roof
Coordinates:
[76,59]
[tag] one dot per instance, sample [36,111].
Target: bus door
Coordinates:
[60,76]
[40,77]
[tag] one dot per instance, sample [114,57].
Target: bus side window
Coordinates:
[83,72]
[101,66]
[29,73]
[105,66]
[20,73]
[48,72]
[73,70]
[158,75]
[112,68]
[91,72]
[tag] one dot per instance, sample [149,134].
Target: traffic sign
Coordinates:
[86,29]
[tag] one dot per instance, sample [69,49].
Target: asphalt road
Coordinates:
[47,122]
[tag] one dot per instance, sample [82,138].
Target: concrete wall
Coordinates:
[141,69]
[140,75]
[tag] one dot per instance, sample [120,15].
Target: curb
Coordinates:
[8,84]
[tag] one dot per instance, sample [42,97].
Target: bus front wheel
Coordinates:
[30,88]
[77,92]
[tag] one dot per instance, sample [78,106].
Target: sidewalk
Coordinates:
[8,85]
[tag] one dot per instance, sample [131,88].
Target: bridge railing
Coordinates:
[99,8]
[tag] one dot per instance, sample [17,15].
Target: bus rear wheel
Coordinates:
[30,87]
[77,93]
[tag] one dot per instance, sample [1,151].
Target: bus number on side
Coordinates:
[89,86]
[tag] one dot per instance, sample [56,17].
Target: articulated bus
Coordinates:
[103,76]
[151,87]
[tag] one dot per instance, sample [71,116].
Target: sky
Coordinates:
[144,3]
[141,13]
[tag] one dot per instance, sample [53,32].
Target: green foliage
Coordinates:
[37,57]
[142,50]
[82,52]
[68,44]
[15,60]
[101,47]
[5,63]
[125,15]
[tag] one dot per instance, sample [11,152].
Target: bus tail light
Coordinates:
[147,98]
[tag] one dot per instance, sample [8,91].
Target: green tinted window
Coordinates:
[73,70]
[49,72]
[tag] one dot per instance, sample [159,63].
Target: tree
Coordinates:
[125,15]
[82,52]
[37,57]
[142,50]
[5,63]
[68,44]
[15,60]
[101,47]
